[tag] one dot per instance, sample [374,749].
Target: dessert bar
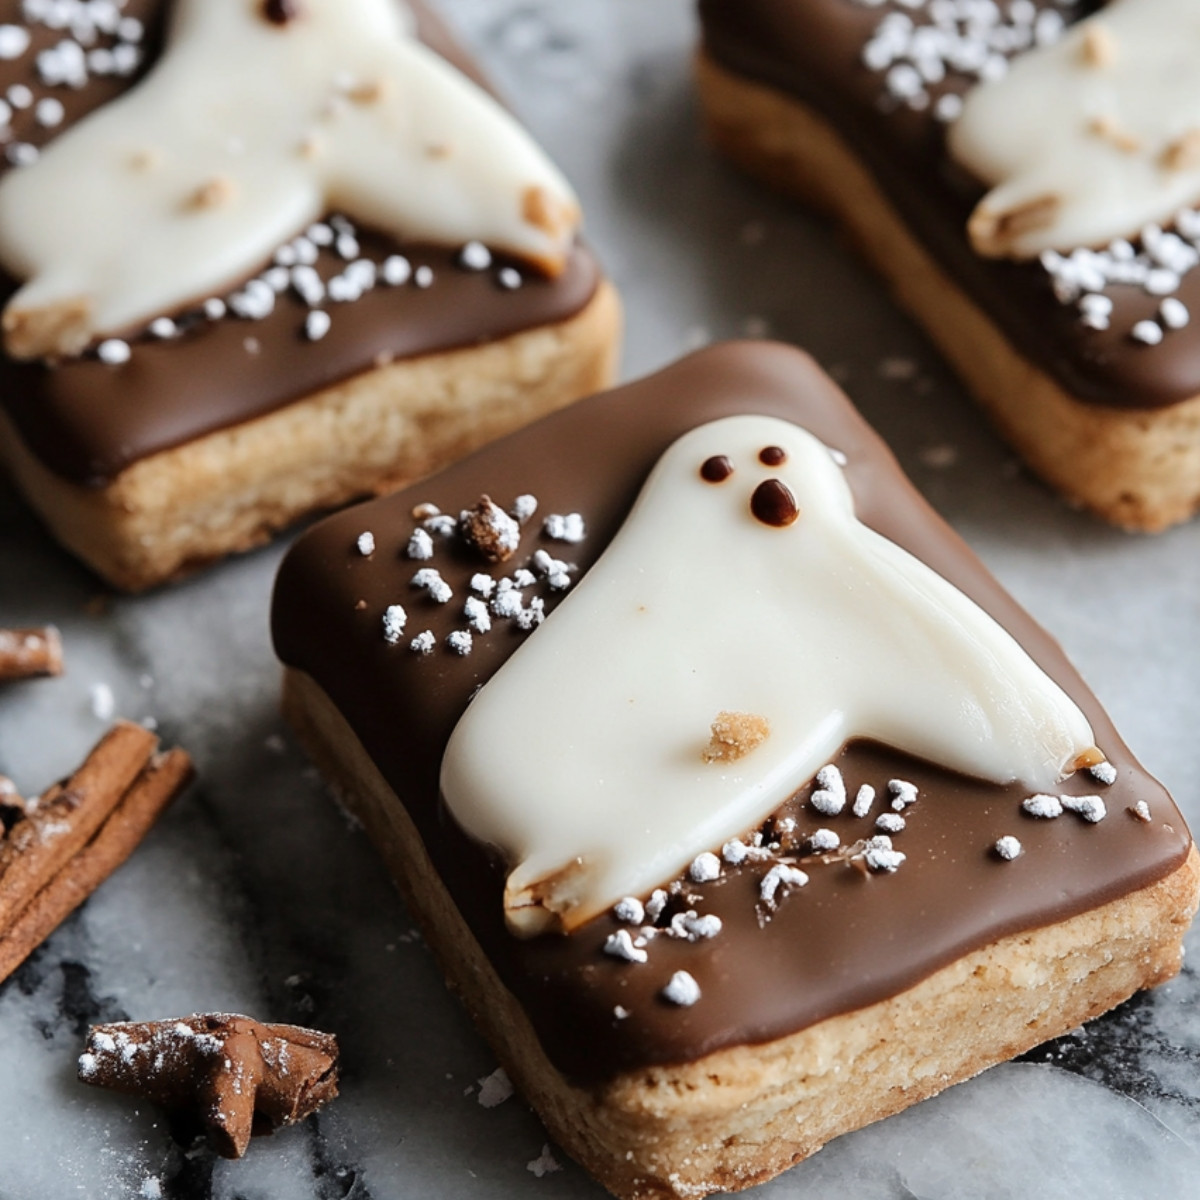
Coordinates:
[1024,175]
[739,803]
[258,259]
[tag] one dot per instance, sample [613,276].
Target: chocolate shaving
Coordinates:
[490,530]
[26,653]
[238,1076]
[57,849]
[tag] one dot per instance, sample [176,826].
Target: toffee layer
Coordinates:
[842,942]
[87,420]
[811,50]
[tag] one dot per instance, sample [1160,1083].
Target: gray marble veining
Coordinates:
[255,893]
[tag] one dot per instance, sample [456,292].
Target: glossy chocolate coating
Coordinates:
[812,50]
[87,421]
[844,941]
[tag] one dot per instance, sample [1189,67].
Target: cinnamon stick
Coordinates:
[61,822]
[25,653]
[138,808]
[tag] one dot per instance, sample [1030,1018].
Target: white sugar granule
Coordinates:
[705,868]
[394,620]
[630,910]
[1090,808]
[824,840]
[366,543]
[544,1164]
[565,528]
[1043,806]
[1008,848]
[620,945]
[495,1088]
[682,990]
[879,855]
[864,800]
[460,641]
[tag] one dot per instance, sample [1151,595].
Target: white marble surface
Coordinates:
[254,893]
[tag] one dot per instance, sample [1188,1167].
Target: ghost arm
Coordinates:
[429,156]
[963,693]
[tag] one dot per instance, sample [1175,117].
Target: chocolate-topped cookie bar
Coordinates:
[1025,177]
[738,801]
[259,259]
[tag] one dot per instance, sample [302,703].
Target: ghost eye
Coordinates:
[772,456]
[716,469]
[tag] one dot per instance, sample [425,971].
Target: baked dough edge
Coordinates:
[226,492]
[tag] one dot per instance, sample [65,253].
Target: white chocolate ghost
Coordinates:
[583,758]
[247,130]
[1089,139]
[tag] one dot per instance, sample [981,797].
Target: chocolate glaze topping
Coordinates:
[87,421]
[280,12]
[772,456]
[716,469]
[811,50]
[773,503]
[844,941]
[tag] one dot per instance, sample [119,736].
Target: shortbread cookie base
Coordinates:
[1139,469]
[229,491]
[741,1115]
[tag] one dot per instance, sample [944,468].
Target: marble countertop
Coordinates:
[255,894]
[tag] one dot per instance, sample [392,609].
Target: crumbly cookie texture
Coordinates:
[788,975]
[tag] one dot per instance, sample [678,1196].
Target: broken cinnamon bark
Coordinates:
[55,850]
[26,653]
[239,1076]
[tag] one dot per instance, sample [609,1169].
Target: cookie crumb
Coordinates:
[734,735]
[490,530]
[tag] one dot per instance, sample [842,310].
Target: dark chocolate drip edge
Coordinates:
[841,943]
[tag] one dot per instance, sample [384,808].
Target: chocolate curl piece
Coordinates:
[239,1076]
[25,653]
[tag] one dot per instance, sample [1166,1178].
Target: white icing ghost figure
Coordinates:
[246,130]
[584,758]
[1089,139]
